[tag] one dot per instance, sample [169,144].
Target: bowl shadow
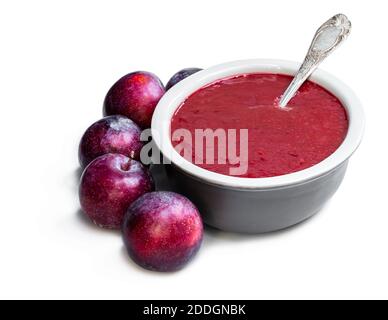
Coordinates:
[214,235]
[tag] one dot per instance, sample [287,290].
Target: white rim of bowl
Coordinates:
[170,102]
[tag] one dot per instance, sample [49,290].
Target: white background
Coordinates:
[58,59]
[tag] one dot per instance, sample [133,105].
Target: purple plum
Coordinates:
[135,96]
[114,134]
[162,231]
[180,75]
[109,185]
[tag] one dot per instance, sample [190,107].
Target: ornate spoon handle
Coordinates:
[328,37]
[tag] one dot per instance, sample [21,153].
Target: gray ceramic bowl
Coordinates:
[262,204]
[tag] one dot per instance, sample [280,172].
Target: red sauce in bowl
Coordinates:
[280,141]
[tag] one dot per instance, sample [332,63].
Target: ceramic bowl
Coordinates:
[256,205]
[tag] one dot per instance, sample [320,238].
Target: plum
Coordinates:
[162,231]
[180,75]
[109,185]
[113,134]
[135,96]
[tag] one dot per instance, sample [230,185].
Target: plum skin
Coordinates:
[162,231]
[113,134]
[108,187]
[180,75]
[135,96]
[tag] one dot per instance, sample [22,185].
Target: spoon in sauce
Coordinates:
[327,38]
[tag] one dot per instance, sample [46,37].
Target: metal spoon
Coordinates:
[328,37]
